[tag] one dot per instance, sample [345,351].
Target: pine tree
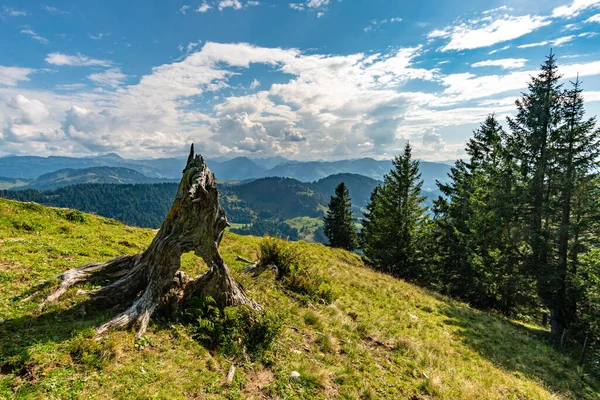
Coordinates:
[393,219]
[577,153]
[534,130]
[339,225]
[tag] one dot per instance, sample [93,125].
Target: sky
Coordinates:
[306,80]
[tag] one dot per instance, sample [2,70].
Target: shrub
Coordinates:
[234,331]
[281,253]
[75,216]
[293,270]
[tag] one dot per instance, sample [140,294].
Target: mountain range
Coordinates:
[236,169]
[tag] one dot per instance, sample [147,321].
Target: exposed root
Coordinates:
[138,314]
[110,269]
[220,285]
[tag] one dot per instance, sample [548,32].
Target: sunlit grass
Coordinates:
[380,338]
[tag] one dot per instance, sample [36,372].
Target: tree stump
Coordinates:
[196,223]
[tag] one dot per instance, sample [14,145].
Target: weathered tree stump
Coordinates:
[196,223]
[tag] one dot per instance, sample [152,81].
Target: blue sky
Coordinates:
[307,79]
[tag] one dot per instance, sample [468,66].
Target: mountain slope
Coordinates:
[69,176]
[380,338]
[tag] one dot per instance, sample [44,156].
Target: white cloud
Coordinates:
[593,18]
[500,49]
[320,14]
[235,4]
[575,8]
[34,35]
[316,3]
[98,36]
[10,76]
[204,7]
[297,6]
[505,63]
[553,43]
[432,140]
[255,84]
[54,10]
[375,24]
[112,77]
[487,31]
[467,86]
[30,111]
[12,12]
[184,9]
[78,60]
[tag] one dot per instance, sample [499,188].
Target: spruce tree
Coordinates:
[577,151]
[393,219]
[339,225]
[533,138]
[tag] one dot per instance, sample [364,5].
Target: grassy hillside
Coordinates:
[379,338]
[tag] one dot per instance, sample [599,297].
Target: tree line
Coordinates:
[516,229]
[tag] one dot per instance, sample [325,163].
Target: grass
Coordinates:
[379,338]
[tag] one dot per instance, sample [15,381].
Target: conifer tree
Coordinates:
[393,219]
[533,138]
[339,225]
[577,150]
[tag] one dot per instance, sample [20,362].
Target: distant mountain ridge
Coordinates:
[71,176]
[237,169]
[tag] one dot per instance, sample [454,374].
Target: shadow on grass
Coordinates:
[19,336]
[520,350]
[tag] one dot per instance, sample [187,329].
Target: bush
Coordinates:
[293,270]
[75,216]
[280,253]
[234,331]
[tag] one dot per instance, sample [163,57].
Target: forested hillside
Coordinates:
[276,206]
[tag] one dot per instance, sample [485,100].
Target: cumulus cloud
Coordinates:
[431,140]
[10,76]
[487,31]
[505,63]
[184,9]
[325,105]
[78,60]
[30,111]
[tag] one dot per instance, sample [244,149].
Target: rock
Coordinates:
[295,375]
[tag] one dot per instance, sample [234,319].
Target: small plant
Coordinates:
[143,342]
[293,270]
[85,350]
[75,216]
[280,253]
[234,331]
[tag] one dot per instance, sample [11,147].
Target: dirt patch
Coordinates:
[256,382]
[374,342]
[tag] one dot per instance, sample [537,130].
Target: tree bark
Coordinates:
[196,223]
